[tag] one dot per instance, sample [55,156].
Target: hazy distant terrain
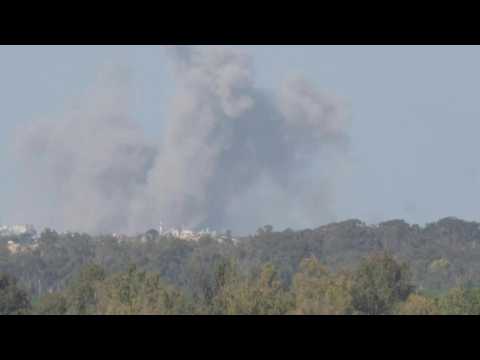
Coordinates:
[441,256]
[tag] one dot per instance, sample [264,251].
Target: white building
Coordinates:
[15,248]
[18,230]
[189,235]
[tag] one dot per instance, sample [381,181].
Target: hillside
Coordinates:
[441,255]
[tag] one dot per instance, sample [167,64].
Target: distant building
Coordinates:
[18,230]
[15,248]
[190,235]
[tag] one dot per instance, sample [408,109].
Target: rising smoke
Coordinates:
[230,155]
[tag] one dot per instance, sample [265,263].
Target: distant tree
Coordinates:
[82,293]
[13,300]
[140,293]
[319,292]
[51,304]
[379,284]
[261,295]
[461,301]
[268,229]
[418,305]
[49,236]
[152,235]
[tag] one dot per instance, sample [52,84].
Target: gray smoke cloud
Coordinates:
[230,154]
[83,170]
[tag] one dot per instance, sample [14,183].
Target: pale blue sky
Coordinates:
[415,114]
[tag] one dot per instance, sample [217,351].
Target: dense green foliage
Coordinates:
[380,285]
[343,268]
[13,300]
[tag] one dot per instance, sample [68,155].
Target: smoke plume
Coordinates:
[230,155]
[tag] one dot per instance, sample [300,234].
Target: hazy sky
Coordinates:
[415,114]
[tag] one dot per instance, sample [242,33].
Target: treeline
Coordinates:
[380,285]
[441,256]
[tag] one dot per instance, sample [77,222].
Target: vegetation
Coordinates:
[13,300]
[347,268]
